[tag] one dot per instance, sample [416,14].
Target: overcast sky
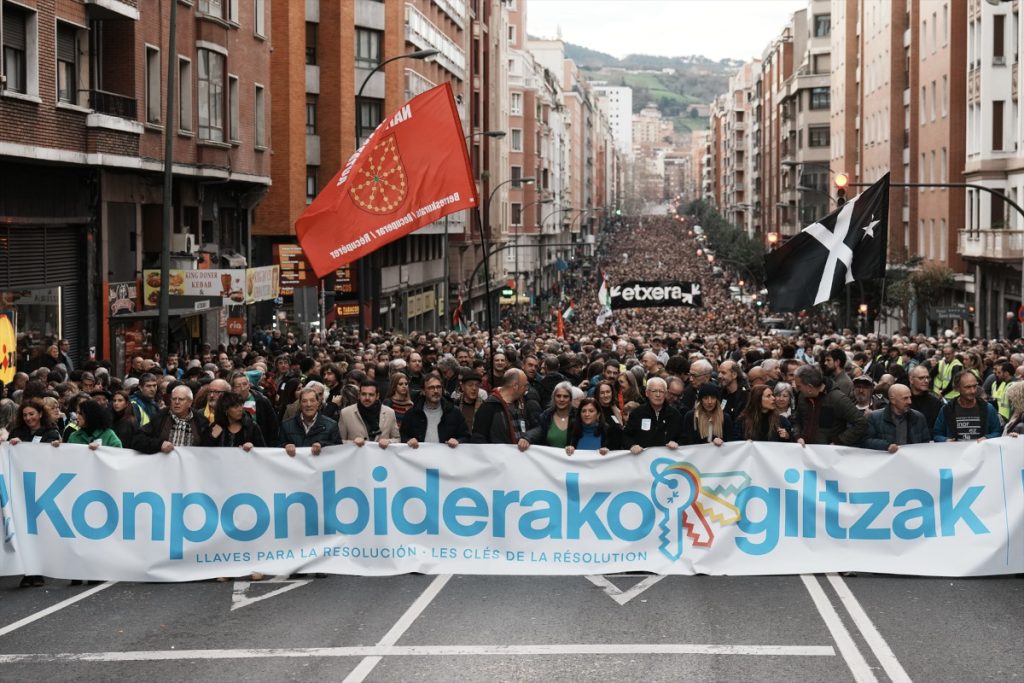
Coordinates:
[740,29]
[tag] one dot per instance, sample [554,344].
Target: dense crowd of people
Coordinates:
[648,378]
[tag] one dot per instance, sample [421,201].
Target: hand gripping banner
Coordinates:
[745,508]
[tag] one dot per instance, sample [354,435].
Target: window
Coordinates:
[185,123]
[998,39]
[311,29]
[512,33]
[213,8]
[311,127]
[370,115]
[259,17]
[15,43]
[945,95]
[517,214]
[935,105]
[367,48]
[822,25]
[211,95]
[234,109]
[67,63]
[312,185]
[820,98]
[997,125]
[517,104]
[517,173]
[517,140]
[152,85]
[261,117]
[818,136]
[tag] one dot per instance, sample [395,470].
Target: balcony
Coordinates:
[1005,246]
[103,102]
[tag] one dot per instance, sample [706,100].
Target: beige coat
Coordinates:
[351,424]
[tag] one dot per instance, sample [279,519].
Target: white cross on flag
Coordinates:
[847,245]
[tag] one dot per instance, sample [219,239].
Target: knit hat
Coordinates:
[709,389]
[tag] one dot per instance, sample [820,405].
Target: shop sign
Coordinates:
[262,284]
[122,297]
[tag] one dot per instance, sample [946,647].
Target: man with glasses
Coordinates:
[216,389]
[433,418]
[257,405]
[176,427]
[965,418]
[655,423]
[700,373]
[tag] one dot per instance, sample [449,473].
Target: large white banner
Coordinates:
[746,508]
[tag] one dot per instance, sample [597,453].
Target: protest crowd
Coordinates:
[643,378]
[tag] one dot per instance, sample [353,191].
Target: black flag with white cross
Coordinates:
[847,245]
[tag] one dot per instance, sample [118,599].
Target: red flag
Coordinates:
[413,170]
[561,325]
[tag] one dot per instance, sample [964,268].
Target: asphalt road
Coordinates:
[476,628]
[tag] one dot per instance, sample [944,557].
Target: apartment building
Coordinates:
[735,169]
[992,238]
[616,102]
[332,66]
[83,119]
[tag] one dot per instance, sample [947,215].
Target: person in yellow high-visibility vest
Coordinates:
[1004,377]
[942,384]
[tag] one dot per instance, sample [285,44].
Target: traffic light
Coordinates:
[842,180]
[507,292]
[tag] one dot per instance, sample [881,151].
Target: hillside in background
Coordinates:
[675,84]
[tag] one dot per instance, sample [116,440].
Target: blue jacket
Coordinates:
[944,428]
[882,429]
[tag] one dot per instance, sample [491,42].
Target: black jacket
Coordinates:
[266,418]
[152,436]
[324,432]
[45,434]
[692,437]
[250,433]
[491,424]
[452,426]
[667,426]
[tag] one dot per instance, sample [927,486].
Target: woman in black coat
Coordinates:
[33,424]
[233,427]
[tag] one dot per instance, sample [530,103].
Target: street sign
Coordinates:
[955,312]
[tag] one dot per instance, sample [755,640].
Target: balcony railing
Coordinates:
[992,245]
[104,102]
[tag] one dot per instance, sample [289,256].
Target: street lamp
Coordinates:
[366,274]
[484,229]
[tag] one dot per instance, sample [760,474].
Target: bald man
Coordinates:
[897,424]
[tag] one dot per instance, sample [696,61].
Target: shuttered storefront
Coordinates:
[38,259]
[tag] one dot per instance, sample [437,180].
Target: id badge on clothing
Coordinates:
[522,426]
[37,439]
[645,424]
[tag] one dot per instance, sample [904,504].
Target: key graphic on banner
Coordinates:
[688,505]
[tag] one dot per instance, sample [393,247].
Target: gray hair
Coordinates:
[700,366]
[563,386]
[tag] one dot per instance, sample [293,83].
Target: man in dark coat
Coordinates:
[174,427]
[654,423]
[433,418]
[309,429]
[824,415]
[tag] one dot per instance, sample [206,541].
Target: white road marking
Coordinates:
[239,599]
[379,651]
[862,673]
[54,608]
[366,666]
[875,641]
[619,596]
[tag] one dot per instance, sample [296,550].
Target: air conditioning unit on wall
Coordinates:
[184,243]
